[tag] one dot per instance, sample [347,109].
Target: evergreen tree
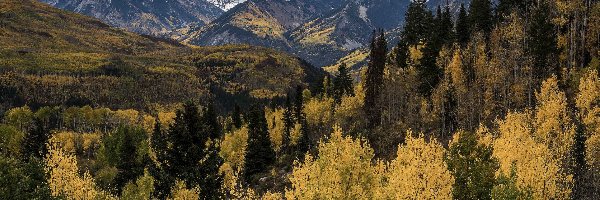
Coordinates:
[450,120]
[543,43]
[446,25]
[303,143]
[327,86]
[402,54]
[480,16]
[34,144]
[288,123]
[473,166]
[463,30]
[506,7]
[236,116]
[418,21]
[129,168]
[342,84]
[374,79]
[209,119]
[259,154]
[299,104]
[212,180]
[189,158]
[159,146]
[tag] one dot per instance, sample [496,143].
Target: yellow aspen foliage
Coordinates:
[166,118]
[20,117]
[456,72]
[64,179]
[272,196]
[233,147]
[276,127]
[233,152]
[147,123]
[342,171]
[588,102]
[554,126]
[142,189]
[419,171]
[536,167]
[66,141]
[235,188]
[128,116]
[319,112]
[349,114]
[181,192]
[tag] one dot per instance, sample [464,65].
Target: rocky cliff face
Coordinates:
[151,17]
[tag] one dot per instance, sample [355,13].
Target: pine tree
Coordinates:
[34,144]
[447,27]
[342,84]
[288,123]
[480,16]
[418,23]
[303,143]
[259,154]
[209,118]
[450,113]
[543,43]
[463,27]
[212,180]
[473,166]
[327,86]
[374,79]
[159,146]
[402,54]
[189,158]
[236,116]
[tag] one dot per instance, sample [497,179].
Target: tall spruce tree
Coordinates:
[374,79]
[447,26]
[342,84]
[303,144]
[418,21]
[463,27]
[543,42]
[288,124]
[34,143]
[162,183]
[259,154]
[189,158]
[480,16]
[236,116]
[402,54]
[473,166]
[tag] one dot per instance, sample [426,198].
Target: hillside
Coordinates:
[151,17]
[53,57]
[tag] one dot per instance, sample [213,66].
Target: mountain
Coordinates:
[53,57]
[151,17]
[260,22]
[226,4]
[324,40]
[319,31]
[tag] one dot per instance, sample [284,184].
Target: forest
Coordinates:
[500,101]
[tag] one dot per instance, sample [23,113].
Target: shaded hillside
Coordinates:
[152,17]
[51,57]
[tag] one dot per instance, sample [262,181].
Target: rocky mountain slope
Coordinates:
[52,57]
[319,31]
[151,17]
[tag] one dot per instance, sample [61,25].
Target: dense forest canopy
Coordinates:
[500,101]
